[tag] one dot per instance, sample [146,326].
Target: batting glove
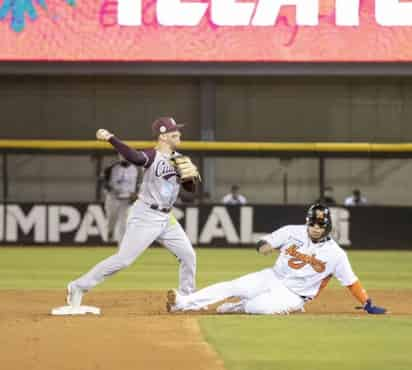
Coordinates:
[373,310]
[103,135]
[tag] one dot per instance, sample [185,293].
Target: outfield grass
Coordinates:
[306,342]
[295,342]
[52,268]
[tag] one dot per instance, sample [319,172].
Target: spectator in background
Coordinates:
[356,199]
[234,197]
[327,199]
[120,182]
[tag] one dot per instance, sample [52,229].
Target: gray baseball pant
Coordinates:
[116,212]
[144,226]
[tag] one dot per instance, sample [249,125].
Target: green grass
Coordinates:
[52,268]
[295,342]
[310,342]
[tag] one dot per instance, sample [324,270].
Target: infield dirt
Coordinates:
[133,332]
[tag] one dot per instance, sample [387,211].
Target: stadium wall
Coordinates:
[247,108]
[71,178]
[209,225]
[330,109]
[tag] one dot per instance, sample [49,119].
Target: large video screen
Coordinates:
[206,30]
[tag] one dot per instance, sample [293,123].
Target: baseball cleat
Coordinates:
[171,300]
[74,295]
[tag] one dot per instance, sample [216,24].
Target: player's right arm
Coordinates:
[264,248]
[271,242]
[131,155]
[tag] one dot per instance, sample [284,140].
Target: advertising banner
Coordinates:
[206,30]
[208,225]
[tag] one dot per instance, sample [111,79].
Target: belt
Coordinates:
[157,208]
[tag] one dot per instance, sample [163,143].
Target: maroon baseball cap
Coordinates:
[165,124]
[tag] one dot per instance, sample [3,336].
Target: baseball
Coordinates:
[102,134]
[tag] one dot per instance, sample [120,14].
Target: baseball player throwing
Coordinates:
[308,258]
[150,217]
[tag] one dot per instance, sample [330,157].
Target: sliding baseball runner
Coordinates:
[308,258]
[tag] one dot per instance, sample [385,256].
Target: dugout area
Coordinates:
[135,331]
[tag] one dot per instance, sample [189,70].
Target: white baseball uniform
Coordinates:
[149,219]
[121,182]
[296,277]
[230,199]
[353,201]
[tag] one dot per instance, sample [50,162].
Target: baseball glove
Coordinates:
[185,168]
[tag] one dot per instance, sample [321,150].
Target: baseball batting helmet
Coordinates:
[320,215]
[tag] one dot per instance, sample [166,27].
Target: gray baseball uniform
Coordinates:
[120,183]
[150,219]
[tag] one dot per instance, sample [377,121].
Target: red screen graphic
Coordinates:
[206,30]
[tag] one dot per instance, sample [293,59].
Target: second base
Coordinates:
[69,310]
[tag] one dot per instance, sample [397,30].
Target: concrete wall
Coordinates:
[292,109]
[247,109]
[72,108]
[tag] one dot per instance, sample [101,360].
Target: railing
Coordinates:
[211,148]
[203,150]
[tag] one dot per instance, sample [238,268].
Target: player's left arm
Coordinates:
[189,186]
[346,276]
[362,296]
[186,170]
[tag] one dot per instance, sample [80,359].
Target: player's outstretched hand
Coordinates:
[373,310]
[104,135]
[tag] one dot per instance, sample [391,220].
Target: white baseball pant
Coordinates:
[259,292]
